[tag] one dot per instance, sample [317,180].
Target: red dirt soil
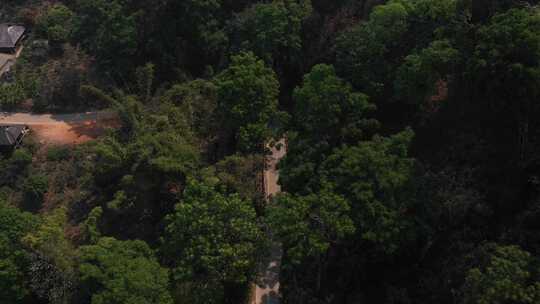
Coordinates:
[71,133]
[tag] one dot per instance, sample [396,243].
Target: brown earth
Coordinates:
[63,129]
[71,133]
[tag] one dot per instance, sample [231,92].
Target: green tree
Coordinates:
[57,24]
[507,275]
[60,81]
[505,71]
[247,101]
[197,100]
[214,241]
[241,174]
[309,225]
[52,267]
[375,177]
[107,31]
[417,77]
[49,240]
[115,271]
[145,81]
[191,34]
[14,224]
[370,53]
[327,108]
[34,189]
[91,225]
[328,113]
[271,30]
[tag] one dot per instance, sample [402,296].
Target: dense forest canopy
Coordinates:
[412,172]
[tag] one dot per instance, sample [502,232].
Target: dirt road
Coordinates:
[267,284]
[63,128]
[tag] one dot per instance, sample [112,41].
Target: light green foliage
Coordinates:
[21,158]
[144,165]
[58,153]
[309,225]
[118,272]
[25,85]
[374,177]
[417,77]
[248,101]
[11,94]
[507,277]
[389,21]
[271,30]
[157,148]
[57,23]
[50,240]
[212,239]
[91,225]
[14,224]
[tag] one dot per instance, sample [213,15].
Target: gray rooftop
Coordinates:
[10,35]
[9,134]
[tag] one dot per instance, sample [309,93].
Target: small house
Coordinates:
[11,37]
[11,136]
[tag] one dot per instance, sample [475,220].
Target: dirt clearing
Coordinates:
[71,133]
[64,129]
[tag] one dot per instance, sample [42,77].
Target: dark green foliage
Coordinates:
[369,214]
[58,153]
[247,100]
[241,174]
[197,101]
[418,76]
[61,80]
[34,189]
[370,53]
[374,176]
[108,31]
[328,113]
[271,30]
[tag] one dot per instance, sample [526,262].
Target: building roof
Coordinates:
[9,134]
[10,35]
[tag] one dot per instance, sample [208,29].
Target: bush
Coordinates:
[21,158]
[34,189]
[58,153]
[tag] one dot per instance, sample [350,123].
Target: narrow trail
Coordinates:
[267,283]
